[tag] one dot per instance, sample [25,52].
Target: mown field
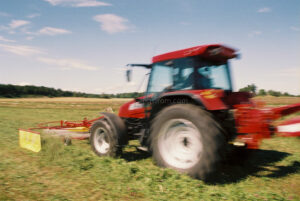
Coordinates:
[73,172]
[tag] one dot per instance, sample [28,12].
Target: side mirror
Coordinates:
[128,75]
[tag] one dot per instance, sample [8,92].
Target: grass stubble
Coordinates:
[73,172]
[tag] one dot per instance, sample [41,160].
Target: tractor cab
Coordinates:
[189,73]
[196,68]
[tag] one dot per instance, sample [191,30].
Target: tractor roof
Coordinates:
[214,52]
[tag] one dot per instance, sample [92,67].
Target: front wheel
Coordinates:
[188,139]
[103,140]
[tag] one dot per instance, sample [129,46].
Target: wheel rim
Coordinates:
[180,144]
[101,141]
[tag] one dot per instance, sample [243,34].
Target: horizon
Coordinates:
[84,45]
[129,92]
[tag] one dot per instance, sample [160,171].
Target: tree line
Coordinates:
[262,92]
[16,91]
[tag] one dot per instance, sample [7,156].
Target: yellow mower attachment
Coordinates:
[30,140]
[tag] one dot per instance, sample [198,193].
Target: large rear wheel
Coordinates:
[186,138]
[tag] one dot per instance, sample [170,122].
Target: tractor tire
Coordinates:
[107,138]
[186,138]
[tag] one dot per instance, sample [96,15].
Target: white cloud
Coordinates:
[21,50]
[14,25]
[67,64]
[51,31]
[18,23]
[111,23]
[295,28]
[33,15]
[264,10]
[92,4]
[254,33]
[77,3]
[64,64]
[3,39]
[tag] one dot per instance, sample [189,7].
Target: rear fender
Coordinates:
[170,99]
[238,98]
[210,99]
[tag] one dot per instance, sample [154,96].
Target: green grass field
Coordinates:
[73,172]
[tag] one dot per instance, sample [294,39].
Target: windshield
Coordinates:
[188,73]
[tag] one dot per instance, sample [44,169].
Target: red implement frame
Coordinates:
[61,125]
[254,124]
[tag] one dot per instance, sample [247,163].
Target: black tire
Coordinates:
[118,126]
[198,129]
[102,129]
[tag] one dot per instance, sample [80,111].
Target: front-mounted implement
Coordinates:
[189,114]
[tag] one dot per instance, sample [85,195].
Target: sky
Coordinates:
[84,45]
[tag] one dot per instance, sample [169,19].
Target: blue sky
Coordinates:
[84,45]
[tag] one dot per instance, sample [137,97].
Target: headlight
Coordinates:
[135,105]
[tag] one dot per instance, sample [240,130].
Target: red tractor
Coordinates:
[190,114]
